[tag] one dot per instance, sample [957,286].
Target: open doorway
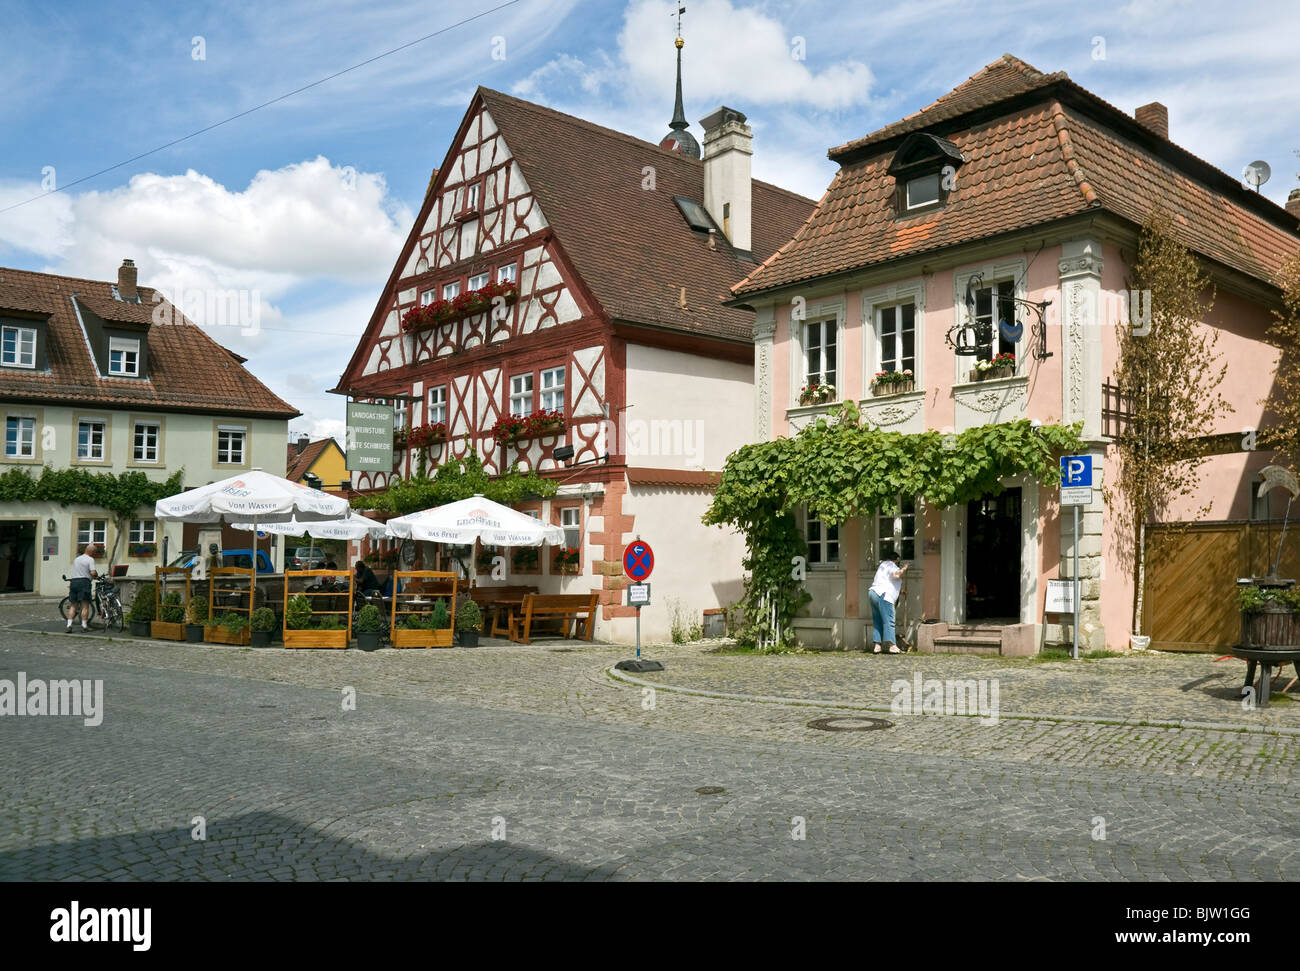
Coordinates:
[17,555]
[993,544]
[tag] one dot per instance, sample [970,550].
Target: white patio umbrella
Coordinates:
[473,519]
[354,527]
[252,497]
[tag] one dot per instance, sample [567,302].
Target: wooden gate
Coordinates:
[1192,571]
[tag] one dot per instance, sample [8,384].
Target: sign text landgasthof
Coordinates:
[369,437]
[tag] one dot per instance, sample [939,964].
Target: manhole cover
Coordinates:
[850,723]
[710,790]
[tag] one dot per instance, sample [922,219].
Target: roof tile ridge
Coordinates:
[1057,114]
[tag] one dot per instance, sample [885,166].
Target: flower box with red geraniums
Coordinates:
[427,435]
[512,428]
[567,559]
[459,307]
[1000,366]
[893,382]
[815,393]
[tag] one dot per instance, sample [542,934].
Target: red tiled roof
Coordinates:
[298,464]
[1042,159]
[631,246]
[187,369]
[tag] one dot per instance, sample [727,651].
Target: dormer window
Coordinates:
[925,173]
[123,357]
[18,346]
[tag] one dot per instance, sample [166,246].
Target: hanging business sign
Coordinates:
[369,437]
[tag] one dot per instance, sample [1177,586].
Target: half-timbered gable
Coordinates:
[554,265]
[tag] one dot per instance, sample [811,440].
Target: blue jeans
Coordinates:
[882,619]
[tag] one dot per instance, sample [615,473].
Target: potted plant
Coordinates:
[368,626]
[469,621]
[999,366]
[170,624]
[893,382]
[816,393]
[302,628]
[196,615]
[517,428]
[262,627]
[1270,617]
[229,628]
[143,611]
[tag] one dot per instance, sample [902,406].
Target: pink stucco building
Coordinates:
[1015,186]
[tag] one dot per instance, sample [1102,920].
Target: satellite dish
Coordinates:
[1256,173]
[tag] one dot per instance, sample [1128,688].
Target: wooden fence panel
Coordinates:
[1191,583]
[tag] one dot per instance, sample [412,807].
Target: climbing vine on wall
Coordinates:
[840,469]
[451,481]
[123,494]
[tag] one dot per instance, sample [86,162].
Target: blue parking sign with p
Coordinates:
[1076,470]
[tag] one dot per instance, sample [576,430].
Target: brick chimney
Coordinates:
[728,145]
[1293,203]
[303,442]
[126,282]
[1154,116]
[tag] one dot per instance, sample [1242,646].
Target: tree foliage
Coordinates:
[452,481]
[1170,374]
[1283,402]
[840,469]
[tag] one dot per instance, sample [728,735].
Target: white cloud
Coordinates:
[42,227]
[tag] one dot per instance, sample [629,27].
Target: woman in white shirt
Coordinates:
[883,596]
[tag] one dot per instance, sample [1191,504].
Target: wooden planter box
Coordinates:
[1001,372]
[420,638]
[893,387]
[806,401]
[223,635]
[166,631]
[316,638]
[1271,628]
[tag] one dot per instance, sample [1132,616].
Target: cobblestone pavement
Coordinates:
[588,781]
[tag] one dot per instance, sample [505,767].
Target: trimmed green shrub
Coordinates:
[469,617]
[368,620]
[197,613]
[142,607]
[264,620]
[172,611]
[297,616]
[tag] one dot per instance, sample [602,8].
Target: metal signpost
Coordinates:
[369,437]
[1076,491]
[638,562]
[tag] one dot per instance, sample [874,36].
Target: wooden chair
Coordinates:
[564,607]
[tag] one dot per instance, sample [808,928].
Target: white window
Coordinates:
[553,390]
[521,395]
[143,530]
[478,281]
[896,530]
[20,438]
[923,191]
[18,347]
[438,404]
[91,531]
[400,417]
[819,351]
[823,540]
[123,357]
[230,445]
[570,522]
[896,341]
[450,290]
[90,441]
[471,197]
[145,441]
[995,313]
[427,297]
[506,273]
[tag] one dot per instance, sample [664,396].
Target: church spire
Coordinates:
[679,139]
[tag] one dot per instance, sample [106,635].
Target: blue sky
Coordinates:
[307,201]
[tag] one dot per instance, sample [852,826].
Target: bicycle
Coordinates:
[104,601]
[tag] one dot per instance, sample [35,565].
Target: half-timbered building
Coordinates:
[574,275]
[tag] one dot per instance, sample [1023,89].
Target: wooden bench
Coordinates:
[495,603]
[564,607]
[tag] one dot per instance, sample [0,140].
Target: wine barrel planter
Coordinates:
[1271,627]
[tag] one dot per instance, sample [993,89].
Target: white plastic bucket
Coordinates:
[1139,642]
